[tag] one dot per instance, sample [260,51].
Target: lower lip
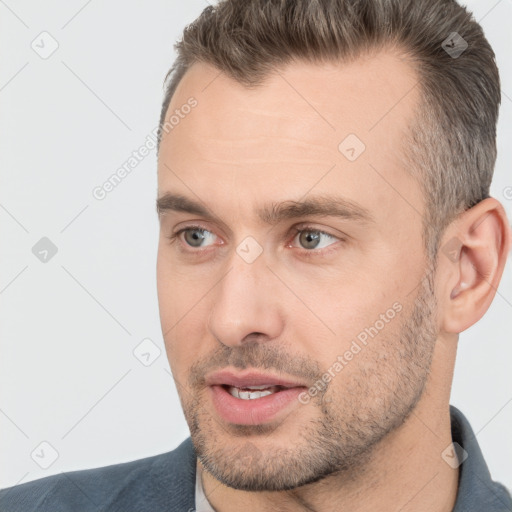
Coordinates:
[255,411]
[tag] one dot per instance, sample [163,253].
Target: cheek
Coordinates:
[184,343]
[184,306]
[346,311]
[178,290]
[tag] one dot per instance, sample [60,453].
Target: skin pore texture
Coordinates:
[373,437]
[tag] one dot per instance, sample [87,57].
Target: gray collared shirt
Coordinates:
[477,492]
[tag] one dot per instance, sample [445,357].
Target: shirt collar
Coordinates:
[477,491]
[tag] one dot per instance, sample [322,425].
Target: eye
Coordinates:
[311,241]
[194,236]
[310,238]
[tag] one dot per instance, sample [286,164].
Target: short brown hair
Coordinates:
[451,145]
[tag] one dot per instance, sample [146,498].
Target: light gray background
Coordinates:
[68,327]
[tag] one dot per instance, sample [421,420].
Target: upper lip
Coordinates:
[248,378]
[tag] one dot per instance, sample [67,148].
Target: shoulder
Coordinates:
[150,484]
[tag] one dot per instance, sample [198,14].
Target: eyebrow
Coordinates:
[273,213]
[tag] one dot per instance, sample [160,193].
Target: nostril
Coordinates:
[255,337]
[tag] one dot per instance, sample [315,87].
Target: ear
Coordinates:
[472,257]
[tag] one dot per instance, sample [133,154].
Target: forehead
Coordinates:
[332,127]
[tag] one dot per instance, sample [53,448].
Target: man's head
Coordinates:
[450,145]
[302,202]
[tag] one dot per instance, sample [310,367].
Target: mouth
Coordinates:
[252,392]
[250,398]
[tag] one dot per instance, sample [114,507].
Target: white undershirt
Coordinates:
[202,503]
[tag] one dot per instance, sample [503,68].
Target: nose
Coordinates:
[245,305]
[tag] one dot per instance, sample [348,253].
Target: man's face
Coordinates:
[328,312]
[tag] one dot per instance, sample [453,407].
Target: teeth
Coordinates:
[248,394]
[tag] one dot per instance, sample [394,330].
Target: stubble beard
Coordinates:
[379,396]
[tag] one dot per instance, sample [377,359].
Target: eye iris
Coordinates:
[194,237]
[307,237]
